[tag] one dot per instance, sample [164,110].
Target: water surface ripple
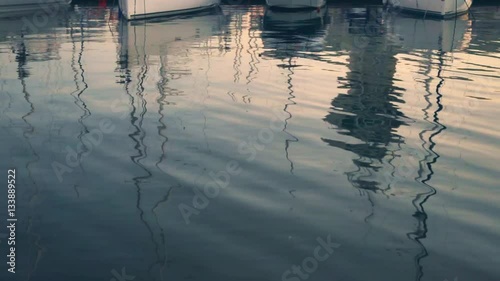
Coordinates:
[375,128]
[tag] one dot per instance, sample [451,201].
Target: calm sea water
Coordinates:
[232,144]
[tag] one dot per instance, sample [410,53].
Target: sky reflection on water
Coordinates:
[373,127]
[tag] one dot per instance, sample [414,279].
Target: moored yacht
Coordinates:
[140,9]
[296,4]
[440,8]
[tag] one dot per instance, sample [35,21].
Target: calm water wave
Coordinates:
[374,128]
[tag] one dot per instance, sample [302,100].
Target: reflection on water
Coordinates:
[387,143]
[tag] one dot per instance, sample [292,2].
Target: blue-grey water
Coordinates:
[234,144]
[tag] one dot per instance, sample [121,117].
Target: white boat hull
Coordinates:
[412,33]
[287,34]
[296,4]
[161,38]
[441,8]
[140,9]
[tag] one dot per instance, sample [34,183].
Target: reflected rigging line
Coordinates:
[285,109]
[78,99]
[22,75]
[239,48]
[161,102]
[422,229]
[138,137]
